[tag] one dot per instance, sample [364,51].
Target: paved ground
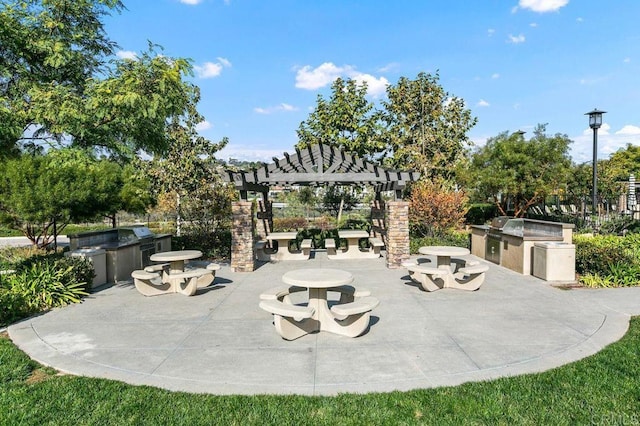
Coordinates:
[220,342]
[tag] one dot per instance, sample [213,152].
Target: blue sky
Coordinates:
[516,63]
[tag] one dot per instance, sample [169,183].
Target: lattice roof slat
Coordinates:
[319,164]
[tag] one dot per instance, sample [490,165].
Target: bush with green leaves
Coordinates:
[43,282]
[213,245]
[452,238]
[608,260]
[479,214]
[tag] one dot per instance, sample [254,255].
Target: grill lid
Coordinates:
[499,222]
[135,233]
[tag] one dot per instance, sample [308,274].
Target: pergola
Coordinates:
[318,165]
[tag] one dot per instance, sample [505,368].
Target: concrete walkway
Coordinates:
[220,342]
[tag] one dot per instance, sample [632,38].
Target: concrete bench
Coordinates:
[205,280]
[262,252]
[470,277]
[330,245]
[150,283]
[429,277]
[291,321]
[158,267]
[191,279]
[305,246]
[281,293]
[354,317]
[376,244]
[349,293]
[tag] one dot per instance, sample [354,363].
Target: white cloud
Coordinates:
[602,131]
[127,54]
[579,19]
[191,2]
[277,108]
[389,67]
[482,103]
[516,39]
[203,125]
[629,130]
[375,86]
[533,25]
[248,154]
[491,32]
[224,61]
[542,6]
[212,69]
[626,60]
[582,148]
[495,76]
[314,78]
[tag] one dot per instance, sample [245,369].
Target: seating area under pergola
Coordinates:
[318,165]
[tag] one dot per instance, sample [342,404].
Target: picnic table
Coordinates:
[171,276]
[451,273]
[353,251]
[293,321]
[283,240]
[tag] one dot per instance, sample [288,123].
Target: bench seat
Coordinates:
[376,244]
[330,245]
[291,321]
[356,307]
[353,318]
[305,246]
[149,283]
[281,292]
[284,309]
[349,293]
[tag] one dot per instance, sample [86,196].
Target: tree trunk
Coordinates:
[178,216]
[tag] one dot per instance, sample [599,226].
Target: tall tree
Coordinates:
[426,126]
[58,83]
[54,43]
[347,120]
[39,192]
[188,164]
[513,171]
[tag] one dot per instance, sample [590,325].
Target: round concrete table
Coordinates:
[318,281]
[176,258]
[443,254]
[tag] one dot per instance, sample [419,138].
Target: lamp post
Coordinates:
[595,121]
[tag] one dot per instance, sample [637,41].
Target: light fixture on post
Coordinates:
[595,121]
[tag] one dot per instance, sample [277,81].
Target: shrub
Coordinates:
[213,245]
[607,260]
[435,209]
[285,224]
[479,214]
[453,238]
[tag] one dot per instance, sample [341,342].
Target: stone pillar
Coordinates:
[397,224]
[242,258]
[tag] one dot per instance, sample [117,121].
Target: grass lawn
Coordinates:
[601,389]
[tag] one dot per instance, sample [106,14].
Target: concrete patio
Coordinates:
[219,341]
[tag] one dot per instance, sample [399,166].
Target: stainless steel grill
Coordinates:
[494,239]
[140,234]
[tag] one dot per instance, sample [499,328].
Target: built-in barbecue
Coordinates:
[509,242]
[127,248]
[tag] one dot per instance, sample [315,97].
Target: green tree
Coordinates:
[517,173]
[43,192]
[426,127]
[57,84]
[347,120]
[188,164]
[337,199]
[55,43]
